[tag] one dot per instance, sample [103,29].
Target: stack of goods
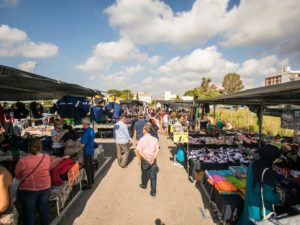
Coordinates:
[248,139]
[229,139]
[39,130]
[72,107]
[226,182]
[220,155]
[222,140]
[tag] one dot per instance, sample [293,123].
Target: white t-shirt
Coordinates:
[166,118]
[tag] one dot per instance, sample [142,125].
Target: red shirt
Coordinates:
[40,179]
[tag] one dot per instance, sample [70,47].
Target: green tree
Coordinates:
[205,90]
[177,97]
[124,94]
[232,83]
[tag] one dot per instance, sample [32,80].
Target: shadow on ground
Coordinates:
[207,206]
[79,206]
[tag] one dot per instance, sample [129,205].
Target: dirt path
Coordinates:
[118,200]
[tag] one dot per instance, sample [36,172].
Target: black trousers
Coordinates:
[89,168]
[149,172]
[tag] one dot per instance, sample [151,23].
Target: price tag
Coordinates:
[181,137]
[48,103]
[171,128]
[73,174]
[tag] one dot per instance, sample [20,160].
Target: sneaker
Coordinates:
[142,186]
[153,194]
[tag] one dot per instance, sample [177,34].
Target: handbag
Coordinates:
[180,155]
[265,216]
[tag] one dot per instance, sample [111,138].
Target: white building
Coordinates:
[283,76]
[169,96]
[144,97]
[187,98]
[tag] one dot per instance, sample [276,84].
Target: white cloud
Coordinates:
[154,60]
[153,21]
[121,78]
[201,62]
[257,21]
[11,35]
[15,42]
[252,22]
[261,67]
[105,53]
[91,77]
[28,66]
[185,72]
[6,3]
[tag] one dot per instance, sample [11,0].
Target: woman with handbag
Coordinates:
[33,173]
[261,194]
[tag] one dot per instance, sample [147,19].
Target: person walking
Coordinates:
[123,140]
[87,143]
[138,129]
[33,173]
[148,149]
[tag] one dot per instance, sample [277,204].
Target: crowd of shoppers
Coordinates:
[145,138]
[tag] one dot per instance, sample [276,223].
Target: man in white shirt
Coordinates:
[123,141]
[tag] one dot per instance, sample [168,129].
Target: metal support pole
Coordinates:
[214,128]
[260,122]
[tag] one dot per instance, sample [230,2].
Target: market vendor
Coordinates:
[57,137]
[73,147]
[261,177]
[277,141]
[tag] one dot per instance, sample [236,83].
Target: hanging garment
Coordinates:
[61,169]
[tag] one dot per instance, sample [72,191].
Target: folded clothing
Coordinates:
[239,171]
[211,172]
[225,187]
[213,180]
[236,182]
[225,173]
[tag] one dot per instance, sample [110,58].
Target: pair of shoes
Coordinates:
[153,194]
[123,167]
[177,164]
[88,187]
[142,186]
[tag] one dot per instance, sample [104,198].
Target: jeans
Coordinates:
[32,200]
[149,171]
[89,168]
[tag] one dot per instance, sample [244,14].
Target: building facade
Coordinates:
[283,76]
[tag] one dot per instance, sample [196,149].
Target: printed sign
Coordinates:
[48,103]
[73,174]
[171,128]
[181,137]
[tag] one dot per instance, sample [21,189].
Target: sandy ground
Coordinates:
[117,199]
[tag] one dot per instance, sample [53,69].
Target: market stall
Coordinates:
[226,195]
[18,85]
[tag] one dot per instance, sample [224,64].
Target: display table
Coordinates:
[228,207]
[195,165]
[60,194]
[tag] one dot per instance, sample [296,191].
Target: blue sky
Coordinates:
[149,45]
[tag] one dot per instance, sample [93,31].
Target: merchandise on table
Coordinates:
[221,155]
[39,130]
